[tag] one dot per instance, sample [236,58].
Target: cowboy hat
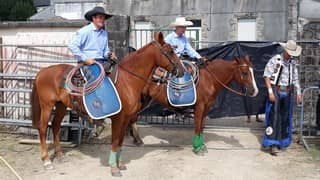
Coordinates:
[96,10]
[291,48]
[181,21]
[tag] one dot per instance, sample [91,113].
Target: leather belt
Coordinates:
[282,88]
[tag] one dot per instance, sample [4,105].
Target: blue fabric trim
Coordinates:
[266,142]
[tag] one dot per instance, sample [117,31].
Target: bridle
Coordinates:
[157,44]
[227,87]
[175,65]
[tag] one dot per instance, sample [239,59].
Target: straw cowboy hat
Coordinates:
[292,48]
[96,10]
[181,21]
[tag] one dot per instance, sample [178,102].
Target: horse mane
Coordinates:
[136,52]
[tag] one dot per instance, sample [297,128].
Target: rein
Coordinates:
[225,86]
[149,79]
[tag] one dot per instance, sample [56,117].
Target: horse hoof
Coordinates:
[61,159]
[199,153]
[122,167]
[138,143]
[204,149]
[48,165]
[115,172]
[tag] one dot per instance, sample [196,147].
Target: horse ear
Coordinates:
[156,36]
[161,38]
[237,59]
[247,58]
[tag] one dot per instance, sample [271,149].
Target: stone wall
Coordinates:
[218,17]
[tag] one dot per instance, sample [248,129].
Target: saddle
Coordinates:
[161,75]
[79,86]
[181,92]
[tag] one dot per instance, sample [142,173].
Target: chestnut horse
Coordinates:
[216,75]
[133,75]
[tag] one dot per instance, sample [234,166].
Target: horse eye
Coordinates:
[245,73]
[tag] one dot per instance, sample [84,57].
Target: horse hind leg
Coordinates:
[61,110]
[135,133]
[44,119]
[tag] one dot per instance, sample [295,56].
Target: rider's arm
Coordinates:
[190,51]
[268,71]
[106,49]
[295,79]
[75,46]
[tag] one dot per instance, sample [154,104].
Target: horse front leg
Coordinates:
[116,135]
[203,123]
[120,163]
[61,110]
[198,140]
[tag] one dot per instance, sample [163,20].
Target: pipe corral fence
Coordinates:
[20,63]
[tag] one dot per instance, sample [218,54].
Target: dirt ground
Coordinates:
[167,154]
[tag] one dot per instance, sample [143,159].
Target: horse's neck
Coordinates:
[140,62]
[223,71]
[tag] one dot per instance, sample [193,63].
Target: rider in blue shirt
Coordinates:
[179,41]
[91,41]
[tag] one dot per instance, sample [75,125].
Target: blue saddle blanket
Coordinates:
[104,100]
[181,91]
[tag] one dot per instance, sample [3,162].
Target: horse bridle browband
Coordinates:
[227,87]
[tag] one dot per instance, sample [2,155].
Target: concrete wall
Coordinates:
[219,17]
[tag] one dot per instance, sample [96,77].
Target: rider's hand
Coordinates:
[112,56]
[272,98]
[299,99]
[203,59]
[89,61]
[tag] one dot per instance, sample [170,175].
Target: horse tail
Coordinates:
[35,107]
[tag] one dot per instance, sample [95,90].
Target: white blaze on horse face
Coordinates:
[256,91]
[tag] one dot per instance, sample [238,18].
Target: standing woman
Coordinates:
[280,75]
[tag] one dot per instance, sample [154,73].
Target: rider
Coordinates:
[90,43]
[280,74]
[180,42]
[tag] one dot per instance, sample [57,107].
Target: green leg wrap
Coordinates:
[119,150]
[201,138]
[112,159]
[197,142]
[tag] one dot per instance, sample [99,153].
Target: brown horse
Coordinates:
[134,72]
[216,75]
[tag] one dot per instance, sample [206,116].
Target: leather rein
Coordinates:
[149,79]
[225,86]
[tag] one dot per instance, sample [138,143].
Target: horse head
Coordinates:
[244,76]
[168,59]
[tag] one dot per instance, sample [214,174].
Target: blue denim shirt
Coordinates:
[183,45]
[90,43]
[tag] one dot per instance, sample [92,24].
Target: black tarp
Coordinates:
[227,103]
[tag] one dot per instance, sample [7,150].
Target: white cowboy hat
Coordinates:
[292,48]
[181,21]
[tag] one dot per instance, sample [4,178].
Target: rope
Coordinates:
[11,168]
[186,85]
[79,91]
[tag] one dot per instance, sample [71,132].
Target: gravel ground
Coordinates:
[167,154]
